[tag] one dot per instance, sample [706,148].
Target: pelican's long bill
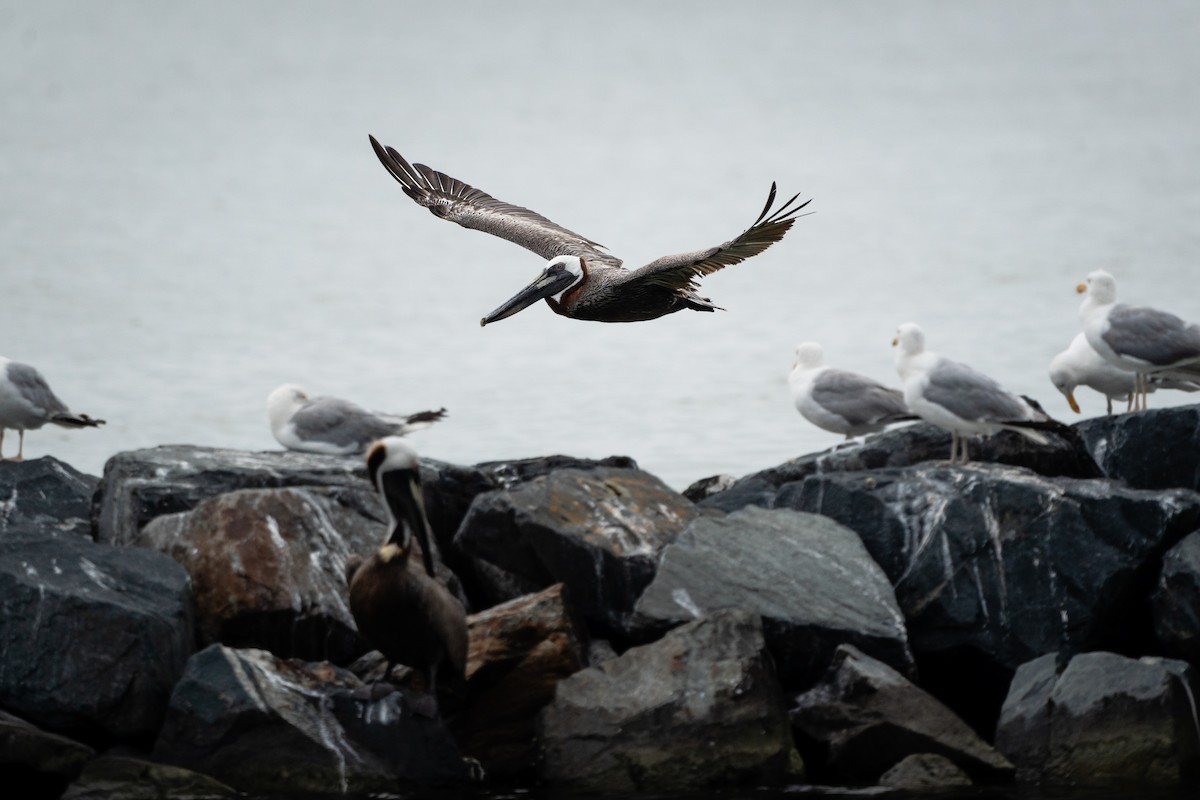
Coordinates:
[393,467]
[547,284]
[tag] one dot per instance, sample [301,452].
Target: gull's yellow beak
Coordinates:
[1071,402]
[895,341]
[1080,288]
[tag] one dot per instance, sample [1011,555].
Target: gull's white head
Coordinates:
[910,339]
[1101,288]
[283,402]
[808,355]
[1065,378]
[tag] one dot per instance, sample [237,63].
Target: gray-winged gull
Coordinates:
[956,397]
[332,426]
[580,279]
[1138,338]
[27,403]
[1080,365]
[841,401]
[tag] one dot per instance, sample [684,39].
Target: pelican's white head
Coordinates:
[282,403]
[559,275]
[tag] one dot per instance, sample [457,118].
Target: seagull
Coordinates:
[399,606]
[959,399]
[27,403]
[839,401]
[332,426]
[580,279]
[1137,338]
[1080,365]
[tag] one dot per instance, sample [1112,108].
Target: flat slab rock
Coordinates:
[699,708]
[810,578]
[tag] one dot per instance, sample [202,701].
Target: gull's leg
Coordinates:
[965,457]
[1,444]
[953,447]
[20,445]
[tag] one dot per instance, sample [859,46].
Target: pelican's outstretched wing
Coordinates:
[679,272]
[450,198]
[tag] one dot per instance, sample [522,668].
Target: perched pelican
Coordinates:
[1080,365]
[1137,338]
[399,606]
[581,280]
[840,401]
[333,426]
[27,403]
[959,399]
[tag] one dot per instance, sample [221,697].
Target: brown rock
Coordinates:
[519,651]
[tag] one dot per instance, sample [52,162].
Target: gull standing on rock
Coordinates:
[27,403]
[1137,338]
[581,280]
[1080,365]
[959,399]
[332,426]
[840,401]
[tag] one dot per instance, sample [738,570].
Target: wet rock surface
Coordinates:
[1105,720]
[809,578]
[1154,449]
[699,708]
[591,585]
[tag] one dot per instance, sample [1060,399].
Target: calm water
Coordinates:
[191,214]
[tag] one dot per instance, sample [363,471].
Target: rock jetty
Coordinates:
[869,616]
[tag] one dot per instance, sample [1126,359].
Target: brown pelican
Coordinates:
[399,606]
[1144,340]
[27,403]
[840,401]
[581,280]
[957,398]
[333,426]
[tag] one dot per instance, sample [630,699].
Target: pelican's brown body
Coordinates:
[400,607]
[407,616]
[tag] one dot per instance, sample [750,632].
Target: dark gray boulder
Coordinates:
[271,726]
[1175,601]
[94,637]
[864,718]
[808,577]
[905,446]
[41,763]
[1112,721]
[699,708]
[1155,449]
[597,531]
[995,565]
[46,495]
[1023,730]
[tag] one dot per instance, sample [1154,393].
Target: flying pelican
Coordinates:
[27,403]
[581,280]
[399,606]
[840,401]
[1137,338]
[1080,365]
[333,426]
[959,399]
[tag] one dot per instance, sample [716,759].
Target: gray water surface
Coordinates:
[191,214]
